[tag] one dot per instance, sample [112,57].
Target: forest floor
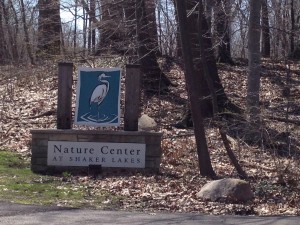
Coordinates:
[29,100]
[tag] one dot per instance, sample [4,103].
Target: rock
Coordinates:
[230,190]
[146,123]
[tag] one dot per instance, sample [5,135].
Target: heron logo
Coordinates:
[98,97]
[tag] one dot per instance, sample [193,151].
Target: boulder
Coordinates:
[228,189]
[146,123]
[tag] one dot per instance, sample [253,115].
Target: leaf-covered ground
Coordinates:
[29,100]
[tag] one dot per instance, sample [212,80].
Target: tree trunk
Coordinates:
[254,68]
[10,40]
[27,39]
[266,45]
[292,35]
[49,27]
[222,22]
[130,30]
[75,28]
[209,11]
[92,28]
[110,27]
[206,40]
[2,49]
[152,26]
[192,28]
[84,29]
[15,32]
[194,93]
[178,41]
[154,79]
[224,104]
[202,31]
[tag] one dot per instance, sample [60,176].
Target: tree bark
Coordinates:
[206,41]
[192,29]
[223,32]
[92,29]
[154,80]
[11,42]
[2,49]
[254,58]
[27,39]
[202,30]
[15,31]
[266,44]
[224,104]
[150,7]
[292,35]
[110,28]
[194,93]
[130,30]
[49,27]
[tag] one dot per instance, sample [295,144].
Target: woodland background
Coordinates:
[221,78]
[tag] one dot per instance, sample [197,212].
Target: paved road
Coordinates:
[15,214]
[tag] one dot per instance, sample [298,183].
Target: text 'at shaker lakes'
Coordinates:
[97,153]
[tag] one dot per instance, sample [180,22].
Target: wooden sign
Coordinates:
[98,97]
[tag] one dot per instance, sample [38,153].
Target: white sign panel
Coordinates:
[65,153]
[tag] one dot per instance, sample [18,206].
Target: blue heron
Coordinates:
[100,91]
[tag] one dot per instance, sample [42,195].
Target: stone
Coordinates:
[228,189]
[146,123]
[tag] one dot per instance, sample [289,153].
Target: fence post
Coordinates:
[132,97]
[64,100]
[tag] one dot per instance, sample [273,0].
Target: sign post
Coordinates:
[132,97]
[64,100]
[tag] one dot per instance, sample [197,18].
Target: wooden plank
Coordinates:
[132,97]
[64,101]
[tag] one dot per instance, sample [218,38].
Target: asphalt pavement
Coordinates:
[17,214]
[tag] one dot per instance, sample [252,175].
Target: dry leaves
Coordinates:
[27,92]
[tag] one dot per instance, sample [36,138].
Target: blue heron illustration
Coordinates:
[100,92]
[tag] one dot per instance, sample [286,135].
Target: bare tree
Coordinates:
[10,40]
[26,33]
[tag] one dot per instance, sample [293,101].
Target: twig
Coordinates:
[286,120]
[48,113]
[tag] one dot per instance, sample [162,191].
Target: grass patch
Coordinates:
[19,184]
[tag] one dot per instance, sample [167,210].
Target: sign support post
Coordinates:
[132,97]
[64,101]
